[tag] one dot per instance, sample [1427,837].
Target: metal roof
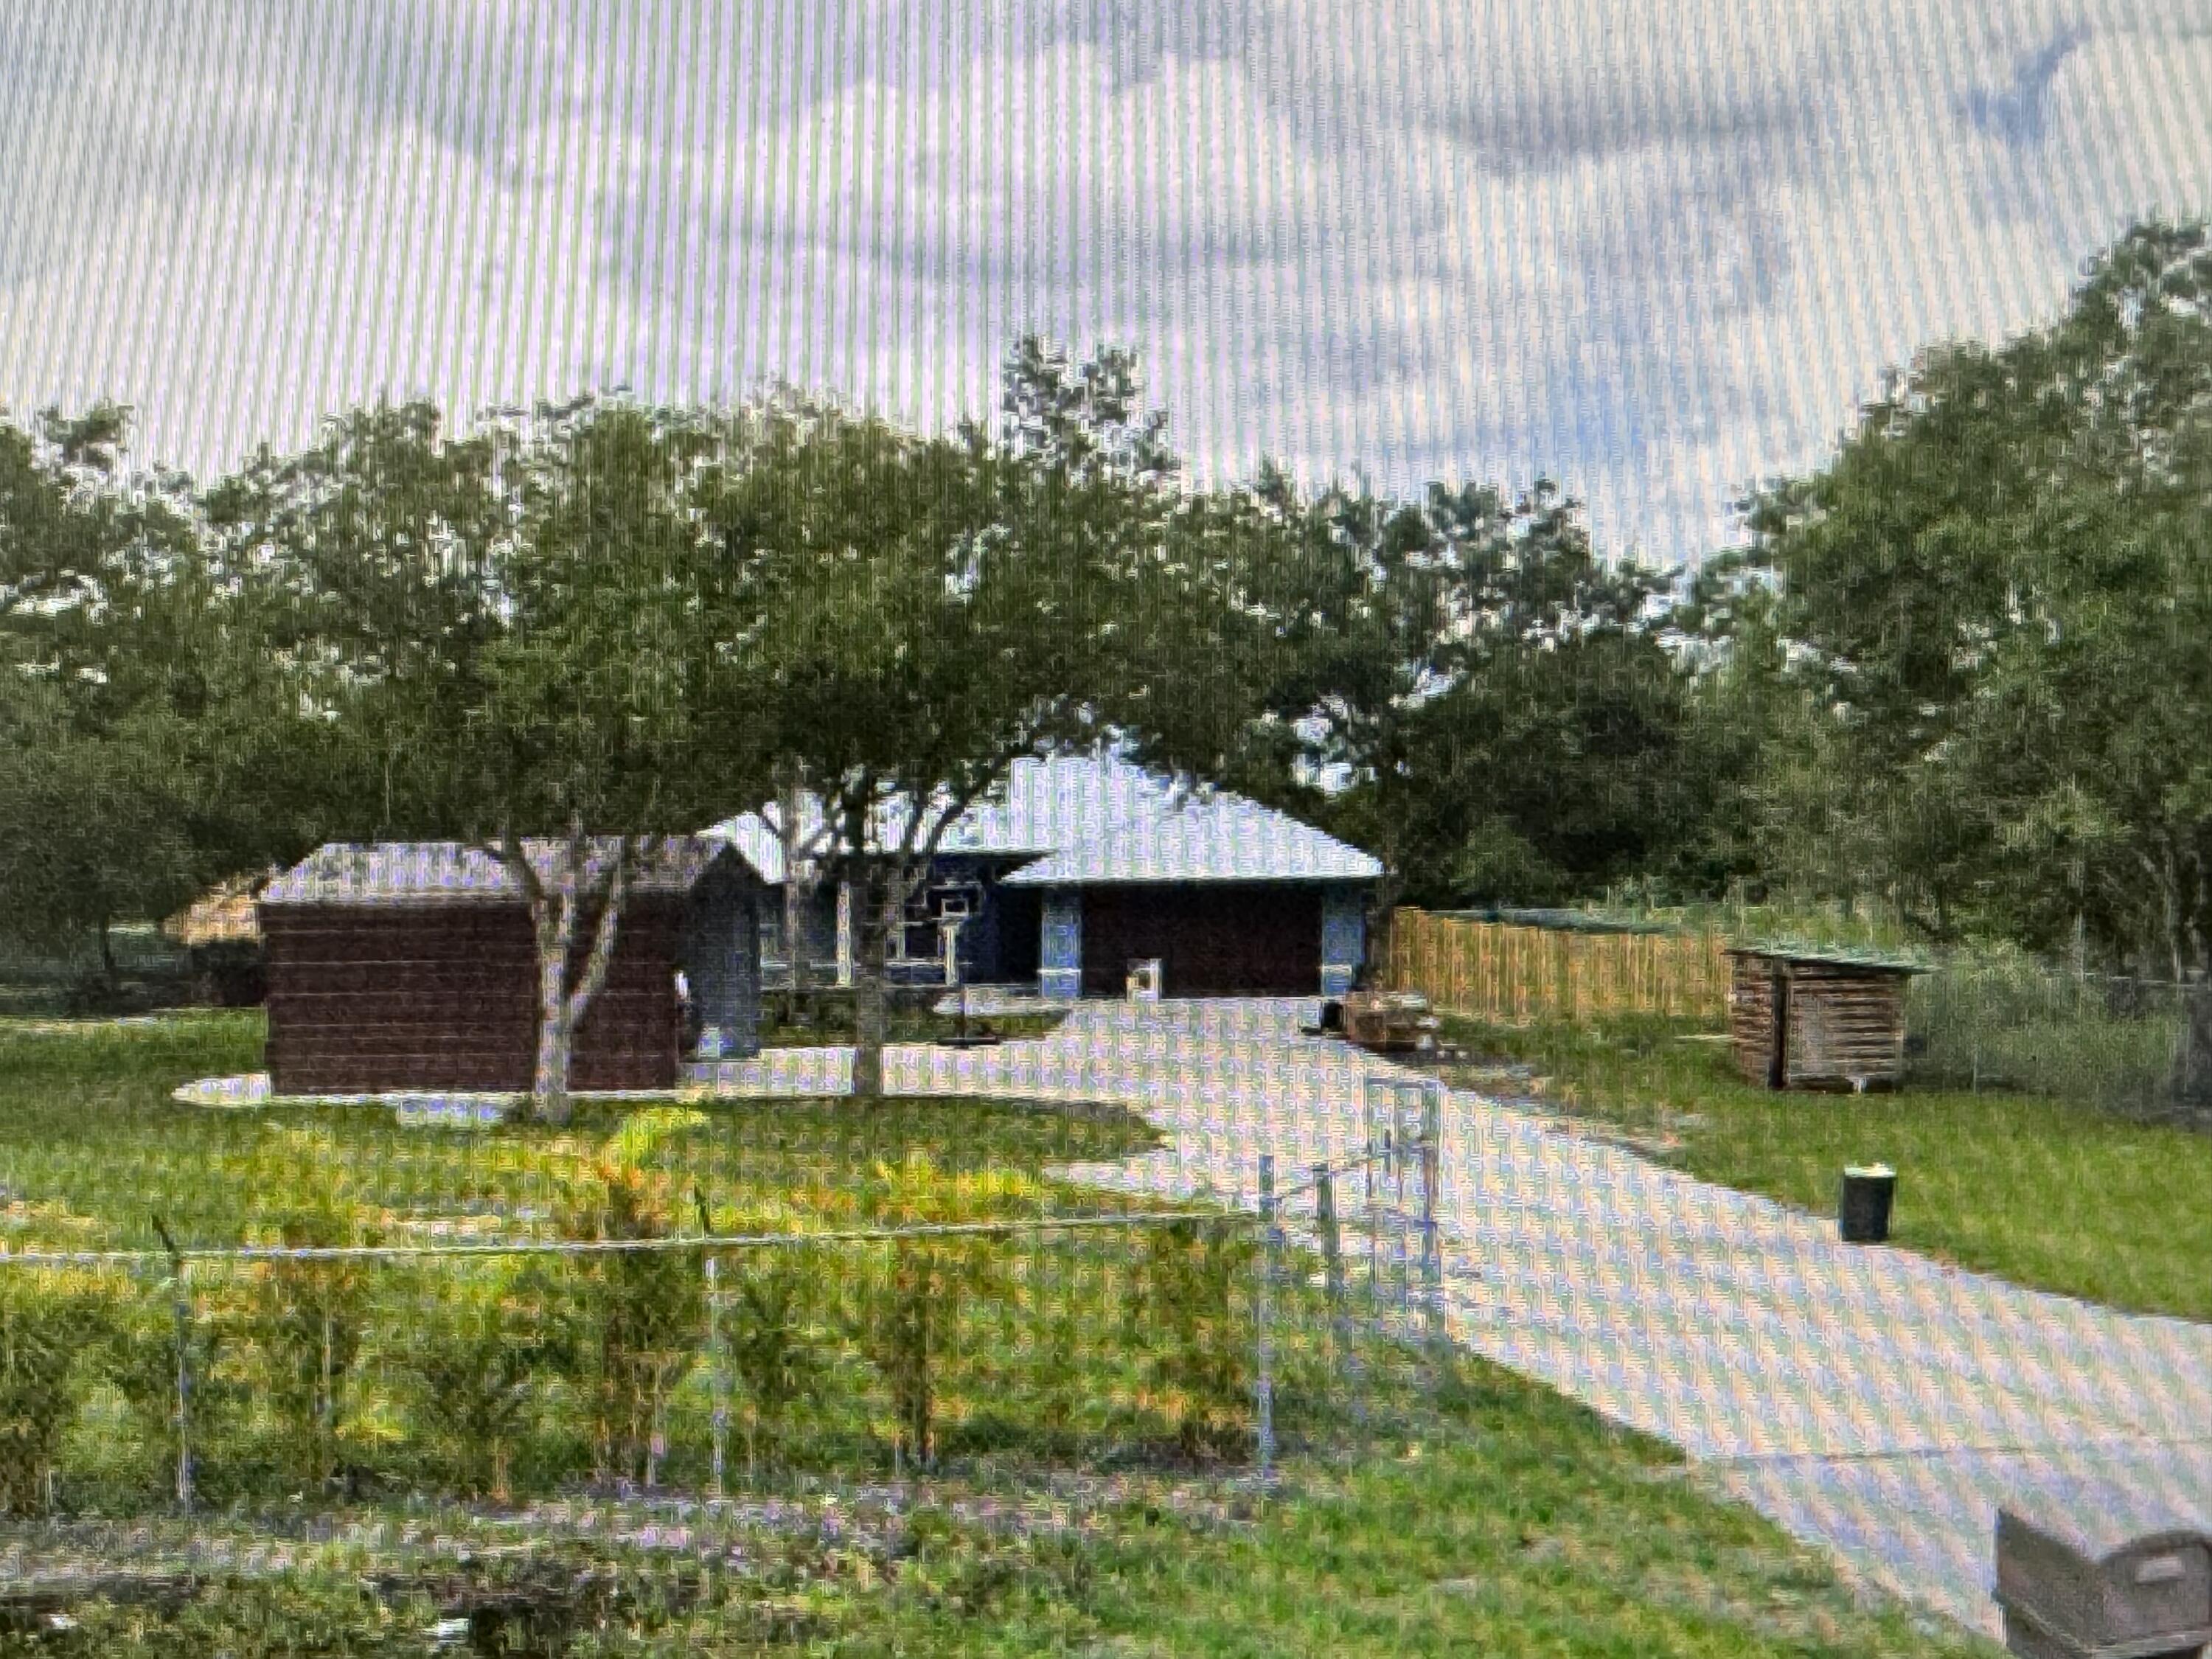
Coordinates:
[1842,955]
[1220,837]
[1097,817]
[451,871]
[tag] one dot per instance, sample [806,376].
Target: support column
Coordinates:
[1060,971]
[1343,938]
[844,935]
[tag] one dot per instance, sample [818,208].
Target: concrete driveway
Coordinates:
[1866,1399]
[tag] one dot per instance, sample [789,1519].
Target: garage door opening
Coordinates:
[1243,939]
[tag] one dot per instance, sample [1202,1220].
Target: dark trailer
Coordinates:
[413,966]
[1818,1019]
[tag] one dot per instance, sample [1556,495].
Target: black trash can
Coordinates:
[1868,1195]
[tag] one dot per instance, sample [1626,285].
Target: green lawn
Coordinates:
[85,1122]
[1491,1517]
[1486,1516]
[2048,1194]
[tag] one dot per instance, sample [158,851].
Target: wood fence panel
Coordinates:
[1496,970]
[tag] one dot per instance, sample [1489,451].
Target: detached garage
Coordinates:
[413,966]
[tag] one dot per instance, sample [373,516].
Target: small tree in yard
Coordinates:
[944,607]
[638,1314]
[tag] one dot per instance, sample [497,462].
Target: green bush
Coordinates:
[772,1353]
[910,1292]
[482,1341]
[50,1319]
[308,1320]
[1999,1019]
[1191,1322]
[635,1319]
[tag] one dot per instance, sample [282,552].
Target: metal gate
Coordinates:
[1405,1262]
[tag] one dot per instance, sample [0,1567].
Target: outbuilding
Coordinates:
[408,966]
[1818,1019]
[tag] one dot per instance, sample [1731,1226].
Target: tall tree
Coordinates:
[946,606]
[506,634]
[1412,630]
[103,621]
[1995,602]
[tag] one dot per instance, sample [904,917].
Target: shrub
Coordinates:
[769,1346]
[635,1317]
[308,1320]
[911,1290]
[478,1353]
[50,1318]
[1195,1333]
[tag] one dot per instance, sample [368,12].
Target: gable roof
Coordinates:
[451,872]
[1096,817]
[1837,956]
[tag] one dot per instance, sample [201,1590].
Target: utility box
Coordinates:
[2110,1588]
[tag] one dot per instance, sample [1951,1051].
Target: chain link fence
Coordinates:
[151,971]
[1993,1020]
[203,1381]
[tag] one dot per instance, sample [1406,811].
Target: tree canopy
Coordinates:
[1996,602]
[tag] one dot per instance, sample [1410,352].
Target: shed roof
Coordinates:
[1840,956]
[1098,818]
[451,872]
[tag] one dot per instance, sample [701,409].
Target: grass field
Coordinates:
[85,1122]
[2058,1196]
[1485,1515]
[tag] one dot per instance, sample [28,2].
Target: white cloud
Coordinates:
[1649,249]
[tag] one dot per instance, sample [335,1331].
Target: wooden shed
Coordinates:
[1818,1019]
[413,965]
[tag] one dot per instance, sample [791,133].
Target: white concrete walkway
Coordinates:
[1866,1399]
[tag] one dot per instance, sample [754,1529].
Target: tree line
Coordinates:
[1961,668]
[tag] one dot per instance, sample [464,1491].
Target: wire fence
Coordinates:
[1986,1017]
[151,971]
[2004,1021]
[326,1369]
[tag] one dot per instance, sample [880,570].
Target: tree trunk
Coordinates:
[1382,918]
[107,960]
[549,1078]
[879,891]
[555,916]
[794,942]
[2192,1082]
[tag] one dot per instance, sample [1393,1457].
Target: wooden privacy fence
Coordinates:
[1494,970]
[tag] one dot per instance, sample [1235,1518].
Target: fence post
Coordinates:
[1432,1280]
[177,1271]
[717,1370]
[1332,1247]
[1264,1389]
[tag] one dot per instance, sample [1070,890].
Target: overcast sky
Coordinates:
[1639,245]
